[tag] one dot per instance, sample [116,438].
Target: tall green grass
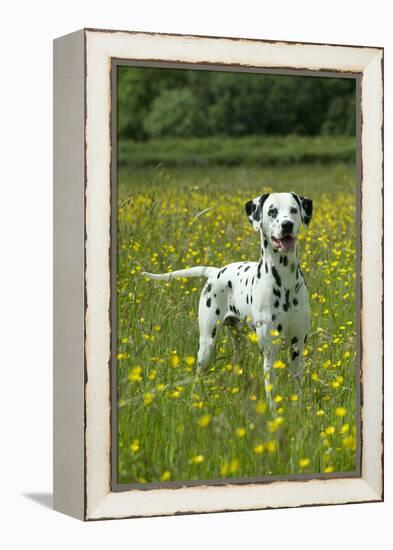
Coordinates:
[256,151]
[174,427]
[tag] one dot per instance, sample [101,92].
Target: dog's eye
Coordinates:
[293,210]
[272,212]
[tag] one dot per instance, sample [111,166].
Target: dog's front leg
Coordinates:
[269,358]
[296,358]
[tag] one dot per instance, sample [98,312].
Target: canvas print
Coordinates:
[236,277]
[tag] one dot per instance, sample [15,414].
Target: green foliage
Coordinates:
[154,103]
[175,112]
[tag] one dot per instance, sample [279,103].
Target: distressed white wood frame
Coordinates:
[91,423]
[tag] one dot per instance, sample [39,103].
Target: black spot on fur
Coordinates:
[215,295]
[214,332]
[295,302]
[217,312]
[276,292]
[246,282]
[253,279]
[279,328]
[230,284]
[294,340]
[285,260]
[295,354]
[280,259]
[276,303]
[209,287]
[247,298]
[209,302]
[223,270]
[286,305]
[251,299]
[265,243]
[273,317]
[219,275]
[266,268]
[247,268]
[276,276]
[305,339]
[259,269]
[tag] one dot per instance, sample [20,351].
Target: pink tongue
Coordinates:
[286,243]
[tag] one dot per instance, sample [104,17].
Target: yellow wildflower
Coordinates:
[258,449]
[205,420]
[135,374]
[148,398]
[134,447]
[304,462]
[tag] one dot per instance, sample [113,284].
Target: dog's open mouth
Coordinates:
[285,244]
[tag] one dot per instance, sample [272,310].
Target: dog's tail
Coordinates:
[199,271]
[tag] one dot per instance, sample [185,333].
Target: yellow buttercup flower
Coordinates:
[253,337]
[174,360]
[258,449]
[341,411]
[205,420]
[134,447]
[197,459]
[260,407]
[165,476]
[148,398]
[304,462]
[135,374]
[270,446]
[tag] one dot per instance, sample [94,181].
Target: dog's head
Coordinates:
[279,216]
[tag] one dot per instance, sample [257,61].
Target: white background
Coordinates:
[26,272]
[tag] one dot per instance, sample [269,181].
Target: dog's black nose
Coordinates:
[287,226]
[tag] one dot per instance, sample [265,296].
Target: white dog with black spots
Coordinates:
[270,295]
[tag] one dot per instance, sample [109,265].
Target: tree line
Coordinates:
[159,102]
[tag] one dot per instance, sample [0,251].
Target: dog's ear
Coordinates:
[254,210]
[305,207]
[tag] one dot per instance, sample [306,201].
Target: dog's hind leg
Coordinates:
[236,337]
[210,322]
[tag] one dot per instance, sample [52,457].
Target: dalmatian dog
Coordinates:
[270,295]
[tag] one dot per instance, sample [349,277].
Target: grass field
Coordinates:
[174,427]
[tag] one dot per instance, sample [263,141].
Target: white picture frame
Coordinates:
[82,256]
